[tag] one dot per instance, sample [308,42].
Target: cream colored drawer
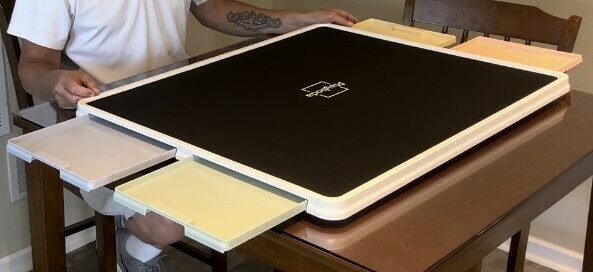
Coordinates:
[406,33]
[217,207]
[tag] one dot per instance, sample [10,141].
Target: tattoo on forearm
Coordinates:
[251,21]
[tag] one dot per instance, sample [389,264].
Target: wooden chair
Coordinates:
[508,20]
[490,17]
[13,52]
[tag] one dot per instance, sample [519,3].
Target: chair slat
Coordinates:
[509,20]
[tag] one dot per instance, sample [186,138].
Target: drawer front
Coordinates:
[90,152]
[217,207]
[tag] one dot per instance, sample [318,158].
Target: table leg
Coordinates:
[588,256]
[45,198]
[516,260]
[106,242]
[476,268]
[219,261]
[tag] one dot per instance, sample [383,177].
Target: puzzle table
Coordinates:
[344,157]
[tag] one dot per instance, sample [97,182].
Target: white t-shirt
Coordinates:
[109,39]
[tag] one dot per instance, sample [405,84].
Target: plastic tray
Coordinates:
[406,32]
[90,152]
[520,53]
[217,207]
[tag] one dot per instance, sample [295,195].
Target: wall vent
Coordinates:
[17,178]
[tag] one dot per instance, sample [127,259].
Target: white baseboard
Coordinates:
[17,262]
[22,261]
[77,240]
[550,255]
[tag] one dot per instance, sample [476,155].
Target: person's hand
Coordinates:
[72,86]
[331,16]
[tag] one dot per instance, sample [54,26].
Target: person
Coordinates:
[114,39]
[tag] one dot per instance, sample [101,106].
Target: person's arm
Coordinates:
[240,19]
[40,74]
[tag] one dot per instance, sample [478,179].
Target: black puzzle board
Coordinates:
[267,108]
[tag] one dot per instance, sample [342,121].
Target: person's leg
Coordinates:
[154,229]
[151,228]
[141,240]
[142,236]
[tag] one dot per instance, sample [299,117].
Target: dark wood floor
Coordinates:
[84,259]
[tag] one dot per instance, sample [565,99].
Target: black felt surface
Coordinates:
[251,108]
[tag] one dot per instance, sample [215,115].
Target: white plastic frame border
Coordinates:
[346,205]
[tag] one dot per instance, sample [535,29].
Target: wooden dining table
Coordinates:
[447,220]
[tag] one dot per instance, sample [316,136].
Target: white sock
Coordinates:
[101,200]
[123,221]
[127,213]
[139,250]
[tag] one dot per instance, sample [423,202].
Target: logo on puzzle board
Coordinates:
[325,89]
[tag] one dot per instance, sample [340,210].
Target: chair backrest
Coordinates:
[490,17]
[13,52]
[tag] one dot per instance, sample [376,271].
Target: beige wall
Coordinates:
[14,226]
